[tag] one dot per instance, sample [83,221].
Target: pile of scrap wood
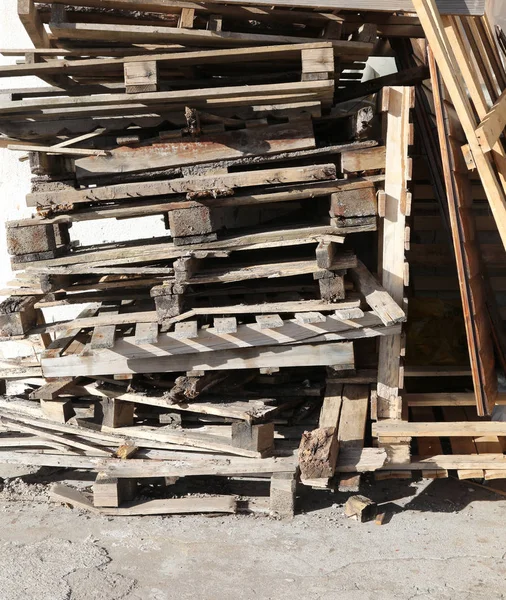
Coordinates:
[257,341]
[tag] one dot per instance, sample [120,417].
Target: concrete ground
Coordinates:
[445,540]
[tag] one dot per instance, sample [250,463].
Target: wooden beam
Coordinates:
[397,175]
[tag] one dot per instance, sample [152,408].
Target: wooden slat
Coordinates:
[393,242]
[339,356]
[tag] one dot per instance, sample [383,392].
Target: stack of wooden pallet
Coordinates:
[251,339]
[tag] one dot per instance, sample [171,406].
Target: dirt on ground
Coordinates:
[442,540]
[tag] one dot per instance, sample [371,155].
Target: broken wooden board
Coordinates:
[176,506]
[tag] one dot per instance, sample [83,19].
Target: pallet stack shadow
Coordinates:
[248,345]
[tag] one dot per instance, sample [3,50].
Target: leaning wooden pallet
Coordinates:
[260,339]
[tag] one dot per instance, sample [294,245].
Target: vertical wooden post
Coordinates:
[397,102]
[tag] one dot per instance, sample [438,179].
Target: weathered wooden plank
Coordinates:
[393,242]
[198,98]
[183,185]
[213,504]
[348,50]
[172,59]
[147,468]
[339,356]
[271,139]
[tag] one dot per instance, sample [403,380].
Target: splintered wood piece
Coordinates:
[269,321]
[376,296]
[361,508]
[190,387]
[309,317]
[55,150]
[146,333]
[318,452]
[126,451]
[186,330]
[225,325]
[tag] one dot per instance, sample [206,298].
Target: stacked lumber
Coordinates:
[258,337]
